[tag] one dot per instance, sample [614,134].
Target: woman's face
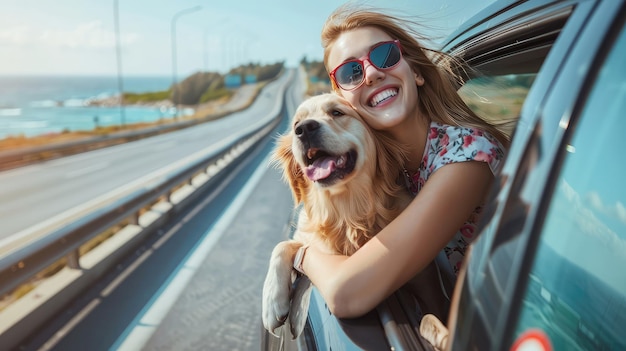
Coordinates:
[387,98]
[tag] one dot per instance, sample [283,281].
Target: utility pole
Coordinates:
[118,50]
[176,16]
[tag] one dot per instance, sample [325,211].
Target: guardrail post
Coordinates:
[73,260]
[134,219]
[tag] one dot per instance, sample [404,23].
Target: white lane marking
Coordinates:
[139,332]
[86,170]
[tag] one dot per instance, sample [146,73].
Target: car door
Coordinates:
[575,295]
[504,287]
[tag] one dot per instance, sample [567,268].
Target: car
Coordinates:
[545,272]
[546,269]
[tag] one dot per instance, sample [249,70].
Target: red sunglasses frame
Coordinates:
[362,63]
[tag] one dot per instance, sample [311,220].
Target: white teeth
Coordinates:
[341,160]
[382,96]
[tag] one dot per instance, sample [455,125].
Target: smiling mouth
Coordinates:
[325,168]
[383,96]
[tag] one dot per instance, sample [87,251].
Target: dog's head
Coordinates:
[330,146]
[326,147]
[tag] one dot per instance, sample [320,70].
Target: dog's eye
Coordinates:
[336,113]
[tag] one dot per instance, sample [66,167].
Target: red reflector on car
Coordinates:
[532,340]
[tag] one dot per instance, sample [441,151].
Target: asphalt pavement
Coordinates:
[221,307]
[218,307]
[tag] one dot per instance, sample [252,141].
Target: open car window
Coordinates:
[498,98]
[504,61]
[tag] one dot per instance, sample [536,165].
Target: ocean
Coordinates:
[37,105]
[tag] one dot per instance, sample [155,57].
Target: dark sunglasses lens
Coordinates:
[349,75]
[385,55]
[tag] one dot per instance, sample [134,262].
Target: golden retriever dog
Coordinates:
[344,176]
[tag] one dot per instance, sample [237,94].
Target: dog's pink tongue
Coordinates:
[321,168]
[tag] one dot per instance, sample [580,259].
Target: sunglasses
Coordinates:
[351,74]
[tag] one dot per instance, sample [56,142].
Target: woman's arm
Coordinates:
[352,286]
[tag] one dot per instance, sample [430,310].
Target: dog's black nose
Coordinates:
[306,128]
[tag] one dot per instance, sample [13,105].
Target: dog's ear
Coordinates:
[283,158]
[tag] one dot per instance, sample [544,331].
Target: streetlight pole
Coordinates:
[205,50]
[118,50]
[174,53]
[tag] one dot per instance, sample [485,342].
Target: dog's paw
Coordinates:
[299,309]
[434,331]
[277,290]
[275,303]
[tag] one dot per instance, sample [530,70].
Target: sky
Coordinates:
[78,37]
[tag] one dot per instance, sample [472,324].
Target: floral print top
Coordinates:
[449,144]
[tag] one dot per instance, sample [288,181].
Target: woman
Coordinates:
[375,61]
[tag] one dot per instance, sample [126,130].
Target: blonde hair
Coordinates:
[439,98]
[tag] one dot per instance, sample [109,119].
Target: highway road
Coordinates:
[214,255]
[194,285]
[36,198]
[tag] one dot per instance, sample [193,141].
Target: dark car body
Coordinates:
[549,265]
